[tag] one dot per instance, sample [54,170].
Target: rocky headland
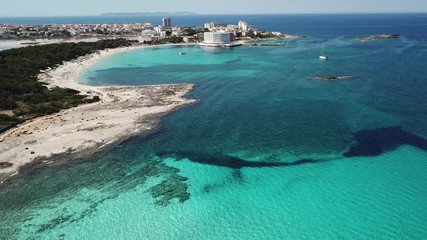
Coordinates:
[121,113]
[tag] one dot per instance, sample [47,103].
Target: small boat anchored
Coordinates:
[181,53]
[322,55]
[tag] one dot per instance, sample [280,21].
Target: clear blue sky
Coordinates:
[94,7]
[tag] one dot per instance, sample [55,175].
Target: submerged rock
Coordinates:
[168,190]
[378,36]
[173,185]
[331,78]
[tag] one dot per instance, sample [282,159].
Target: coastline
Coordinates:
[122,112]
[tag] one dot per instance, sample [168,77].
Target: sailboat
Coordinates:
[322,55]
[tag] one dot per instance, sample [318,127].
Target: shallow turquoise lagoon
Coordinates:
[267,153]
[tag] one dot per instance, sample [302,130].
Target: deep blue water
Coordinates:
[267,153]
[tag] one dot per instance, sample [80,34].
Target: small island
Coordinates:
[378,37]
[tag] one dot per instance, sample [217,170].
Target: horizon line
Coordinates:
[211,14]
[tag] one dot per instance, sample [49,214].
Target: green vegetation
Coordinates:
[262,35]
[193,31]
[24,95]
[173,39]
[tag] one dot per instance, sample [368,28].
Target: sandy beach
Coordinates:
[78,132]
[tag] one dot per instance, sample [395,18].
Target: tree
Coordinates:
[21,92]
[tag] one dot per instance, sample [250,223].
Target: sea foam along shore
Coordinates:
[123,112]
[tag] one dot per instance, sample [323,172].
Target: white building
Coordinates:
[218,37]
[149,33]
[209,25]
[243,26]
[212,25]
[74,32]
[158,29]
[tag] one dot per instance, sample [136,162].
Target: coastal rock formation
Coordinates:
[377,37]
[5,165]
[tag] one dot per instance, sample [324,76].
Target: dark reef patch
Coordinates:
[222,160]
[375,142]
[237,175]
[168,190]
[368,143]
[112,174]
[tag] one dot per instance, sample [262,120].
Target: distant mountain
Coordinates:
[148,14]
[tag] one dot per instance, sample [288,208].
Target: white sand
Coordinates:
[78,132]
[18,43]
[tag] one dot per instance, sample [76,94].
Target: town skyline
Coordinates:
[45,8]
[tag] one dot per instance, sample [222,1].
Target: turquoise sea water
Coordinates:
[267,153]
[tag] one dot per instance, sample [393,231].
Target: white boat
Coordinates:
[322,55]
[232,44]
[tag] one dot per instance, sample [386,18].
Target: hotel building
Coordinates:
[218,37]
[166,22]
